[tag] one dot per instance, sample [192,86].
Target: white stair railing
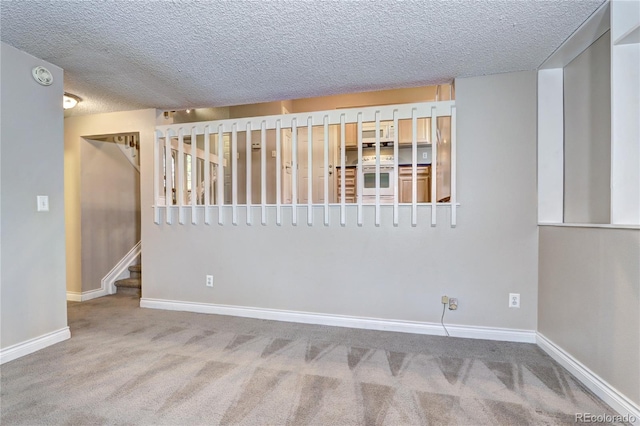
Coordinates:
[130,147]
[221,136]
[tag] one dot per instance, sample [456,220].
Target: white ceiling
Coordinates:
[127,55]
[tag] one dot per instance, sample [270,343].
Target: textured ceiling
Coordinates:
[170,55]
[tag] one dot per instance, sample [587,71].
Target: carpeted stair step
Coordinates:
[135,271]
[133,284]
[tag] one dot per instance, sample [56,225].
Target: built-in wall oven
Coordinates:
[387,179]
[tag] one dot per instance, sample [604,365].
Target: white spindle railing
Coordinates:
[359,176]
[294,171]
[343,157]
[263,172]
[248,163]
[434,164]
[207,174]
[396,178]
[169,140]
[220,175]
[278,174]
[309,171]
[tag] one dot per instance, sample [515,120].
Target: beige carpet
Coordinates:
[126,365]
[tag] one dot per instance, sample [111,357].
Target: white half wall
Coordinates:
[551,145]
[587,135]
[32,285]
[386,272]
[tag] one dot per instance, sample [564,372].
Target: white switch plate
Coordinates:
[514,300]
[43,203]
[209,280]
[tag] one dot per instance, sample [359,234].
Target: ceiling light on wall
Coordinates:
[69,101]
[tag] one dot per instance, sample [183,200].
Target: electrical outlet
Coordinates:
[425,155]
[453,303]
[209,280]
[514,300]
[445,300]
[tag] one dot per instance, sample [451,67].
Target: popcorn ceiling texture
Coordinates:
[172,55]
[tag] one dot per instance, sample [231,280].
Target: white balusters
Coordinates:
[309,171]
[414,165]
[377,218]
[156,176]
[263,172]
[248,174]
[454,199]
[194,176]
[343,155]
[434,164]
[220,175]
[278,174]
[180,180]
[294,172]
[207,175]
[168,176]
[396,169]
[234,174]
[291,184]
[325,121]
[359,175]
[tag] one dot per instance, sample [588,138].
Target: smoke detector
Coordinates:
[42,76]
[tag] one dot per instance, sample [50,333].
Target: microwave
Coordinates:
[387,132]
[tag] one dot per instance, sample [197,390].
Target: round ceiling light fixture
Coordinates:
[42,76]
[69,101]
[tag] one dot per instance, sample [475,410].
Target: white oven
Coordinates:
[387,176]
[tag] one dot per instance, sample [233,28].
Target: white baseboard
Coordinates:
[472,332]
[591,380]
[107,283]
[25,348]
[73,296]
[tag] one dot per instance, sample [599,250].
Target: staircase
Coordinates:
[133,284]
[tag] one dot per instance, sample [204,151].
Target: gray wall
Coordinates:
[587,135]
[590,298]
[32,244]
[110,203]
[384,272]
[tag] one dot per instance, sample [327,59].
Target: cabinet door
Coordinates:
[404,187]
[351,134]
[423,184]
[405,131]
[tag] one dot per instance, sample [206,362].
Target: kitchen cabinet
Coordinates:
[351,135]
[405,135]
[423,184]
[349,176]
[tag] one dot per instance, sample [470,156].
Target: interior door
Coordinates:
[286,161]
[318,171]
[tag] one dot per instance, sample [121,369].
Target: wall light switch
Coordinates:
[273,154]
[43,203]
